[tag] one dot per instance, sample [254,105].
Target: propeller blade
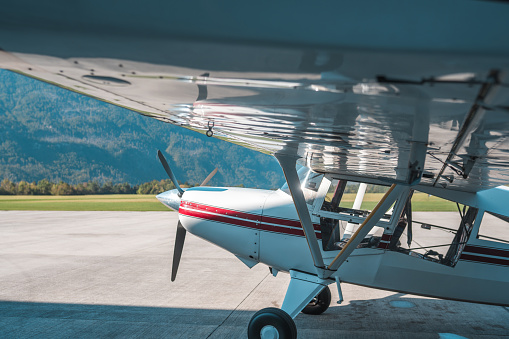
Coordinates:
[169,172]
[177,251]
[207,179]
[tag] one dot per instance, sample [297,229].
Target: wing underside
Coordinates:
[364,113]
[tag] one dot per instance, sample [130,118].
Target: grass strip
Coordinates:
[113,202]
[421,202]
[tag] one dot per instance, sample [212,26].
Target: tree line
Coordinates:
[46,187]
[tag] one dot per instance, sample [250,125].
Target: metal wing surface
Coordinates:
[361,97]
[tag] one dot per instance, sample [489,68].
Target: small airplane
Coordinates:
[263,226]
[409,100]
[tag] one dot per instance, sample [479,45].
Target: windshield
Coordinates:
[310,182]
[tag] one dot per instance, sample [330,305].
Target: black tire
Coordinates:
[278,319]
[320,303]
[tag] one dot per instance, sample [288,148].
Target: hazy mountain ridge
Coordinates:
[48,132]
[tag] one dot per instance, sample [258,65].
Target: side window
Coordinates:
[494,227]
[342,195]
[433,229]
[345,206]
[310,184]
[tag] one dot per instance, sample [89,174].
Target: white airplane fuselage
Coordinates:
[262,226]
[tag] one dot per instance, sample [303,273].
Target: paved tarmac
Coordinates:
[107,274]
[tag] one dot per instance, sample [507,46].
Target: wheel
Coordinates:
[320,303]
[271,323]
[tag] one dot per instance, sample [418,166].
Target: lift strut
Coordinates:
[288,164]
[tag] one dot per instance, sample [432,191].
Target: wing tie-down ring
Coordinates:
[210,125]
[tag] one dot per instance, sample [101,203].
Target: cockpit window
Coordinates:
[344,207]
[310,182]
[342,195]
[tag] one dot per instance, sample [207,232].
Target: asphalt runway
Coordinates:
[107,274]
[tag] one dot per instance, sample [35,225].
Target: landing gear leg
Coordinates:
[278,323]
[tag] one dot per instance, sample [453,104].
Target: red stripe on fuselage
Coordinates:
[482,260]
[217,210]
[486,251]
[254,221]
[215,217]
[286,222]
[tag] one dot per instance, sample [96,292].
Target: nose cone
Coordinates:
[228,217]
[170,199]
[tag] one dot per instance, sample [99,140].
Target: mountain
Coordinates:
[48,132]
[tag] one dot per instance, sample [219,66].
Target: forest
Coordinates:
[64,137]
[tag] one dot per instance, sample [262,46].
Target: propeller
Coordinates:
[207,179]
[177,250]
[180,236]
[169,172]
[181,231]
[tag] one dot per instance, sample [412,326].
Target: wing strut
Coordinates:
[472,119]
[383,205]
[288,165]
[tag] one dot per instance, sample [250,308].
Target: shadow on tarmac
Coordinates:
[395,316]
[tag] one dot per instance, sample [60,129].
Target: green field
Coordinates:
[138,202]
[113,202]
[421,202]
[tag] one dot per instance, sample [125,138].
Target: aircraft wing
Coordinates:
[365,90]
